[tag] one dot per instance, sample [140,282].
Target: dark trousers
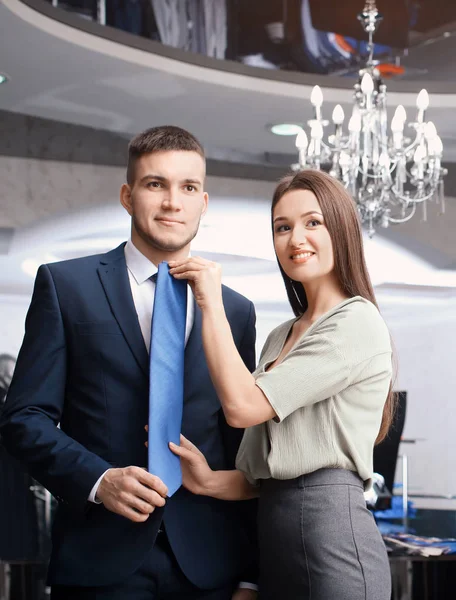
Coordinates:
[158,578]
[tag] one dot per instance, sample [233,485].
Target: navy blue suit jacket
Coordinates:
[84,364]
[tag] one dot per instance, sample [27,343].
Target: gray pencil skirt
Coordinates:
[318,541]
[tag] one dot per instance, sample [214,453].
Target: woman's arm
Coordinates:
[200,479]
[244,404]
[231,485]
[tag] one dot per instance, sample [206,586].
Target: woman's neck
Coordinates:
[322,296]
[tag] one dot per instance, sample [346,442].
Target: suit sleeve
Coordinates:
[232,438]
[35,402]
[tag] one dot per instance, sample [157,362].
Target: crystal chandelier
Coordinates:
[387,175]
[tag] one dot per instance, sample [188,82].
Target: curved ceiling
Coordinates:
[66,69]
[69,70]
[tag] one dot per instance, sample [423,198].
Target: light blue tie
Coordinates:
[166,383]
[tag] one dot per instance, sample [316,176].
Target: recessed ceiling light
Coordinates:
[285,129]
[3,78]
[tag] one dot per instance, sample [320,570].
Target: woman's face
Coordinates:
[301,240]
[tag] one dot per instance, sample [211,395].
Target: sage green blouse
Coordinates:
[328,393]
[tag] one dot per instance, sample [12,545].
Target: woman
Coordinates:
[313,409]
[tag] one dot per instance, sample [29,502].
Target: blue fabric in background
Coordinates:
[448,545]
[396,530]
[396,511]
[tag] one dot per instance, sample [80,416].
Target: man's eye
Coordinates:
[191,188]
[154,184]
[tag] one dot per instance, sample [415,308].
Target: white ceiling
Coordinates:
[63,73]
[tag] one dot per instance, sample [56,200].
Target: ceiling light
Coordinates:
[285,129]
[3,78]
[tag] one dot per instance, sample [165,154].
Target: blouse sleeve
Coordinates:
[313,371]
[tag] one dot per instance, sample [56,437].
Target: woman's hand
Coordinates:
[197,476]
[204,277]
[200,479]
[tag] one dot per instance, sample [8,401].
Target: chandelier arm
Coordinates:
[429,182]
[405,219]
[413,145]
[391,169]
[433,176]
[370,176]
[327,147]
[411,200]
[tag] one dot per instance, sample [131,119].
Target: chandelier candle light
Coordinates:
[387,175]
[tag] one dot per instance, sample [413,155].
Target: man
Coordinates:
[84,364]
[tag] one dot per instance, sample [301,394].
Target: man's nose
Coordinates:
[171,200]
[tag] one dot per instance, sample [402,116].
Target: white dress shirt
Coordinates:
[140,271]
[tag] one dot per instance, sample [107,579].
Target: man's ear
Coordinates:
[206,202]
[125,198]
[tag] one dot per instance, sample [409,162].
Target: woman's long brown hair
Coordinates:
[342,222]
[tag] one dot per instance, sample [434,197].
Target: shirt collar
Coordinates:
[139,266]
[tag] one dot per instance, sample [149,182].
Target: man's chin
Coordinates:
[168,245]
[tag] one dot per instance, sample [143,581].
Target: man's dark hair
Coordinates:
[160,139]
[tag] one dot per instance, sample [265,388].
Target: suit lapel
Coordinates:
[194,345]
[194,352]
[114,278]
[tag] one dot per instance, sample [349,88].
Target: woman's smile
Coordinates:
[302,257]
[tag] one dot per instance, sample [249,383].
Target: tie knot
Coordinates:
[163,268]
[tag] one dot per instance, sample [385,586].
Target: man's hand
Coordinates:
[131,492]
[244,594]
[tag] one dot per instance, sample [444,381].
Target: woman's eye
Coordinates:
[314,223]
[281,228]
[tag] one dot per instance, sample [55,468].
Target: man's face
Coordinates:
[166,200]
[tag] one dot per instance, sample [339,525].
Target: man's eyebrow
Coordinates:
[187,181]
[152,176]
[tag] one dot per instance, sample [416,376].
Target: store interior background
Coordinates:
[76,97]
